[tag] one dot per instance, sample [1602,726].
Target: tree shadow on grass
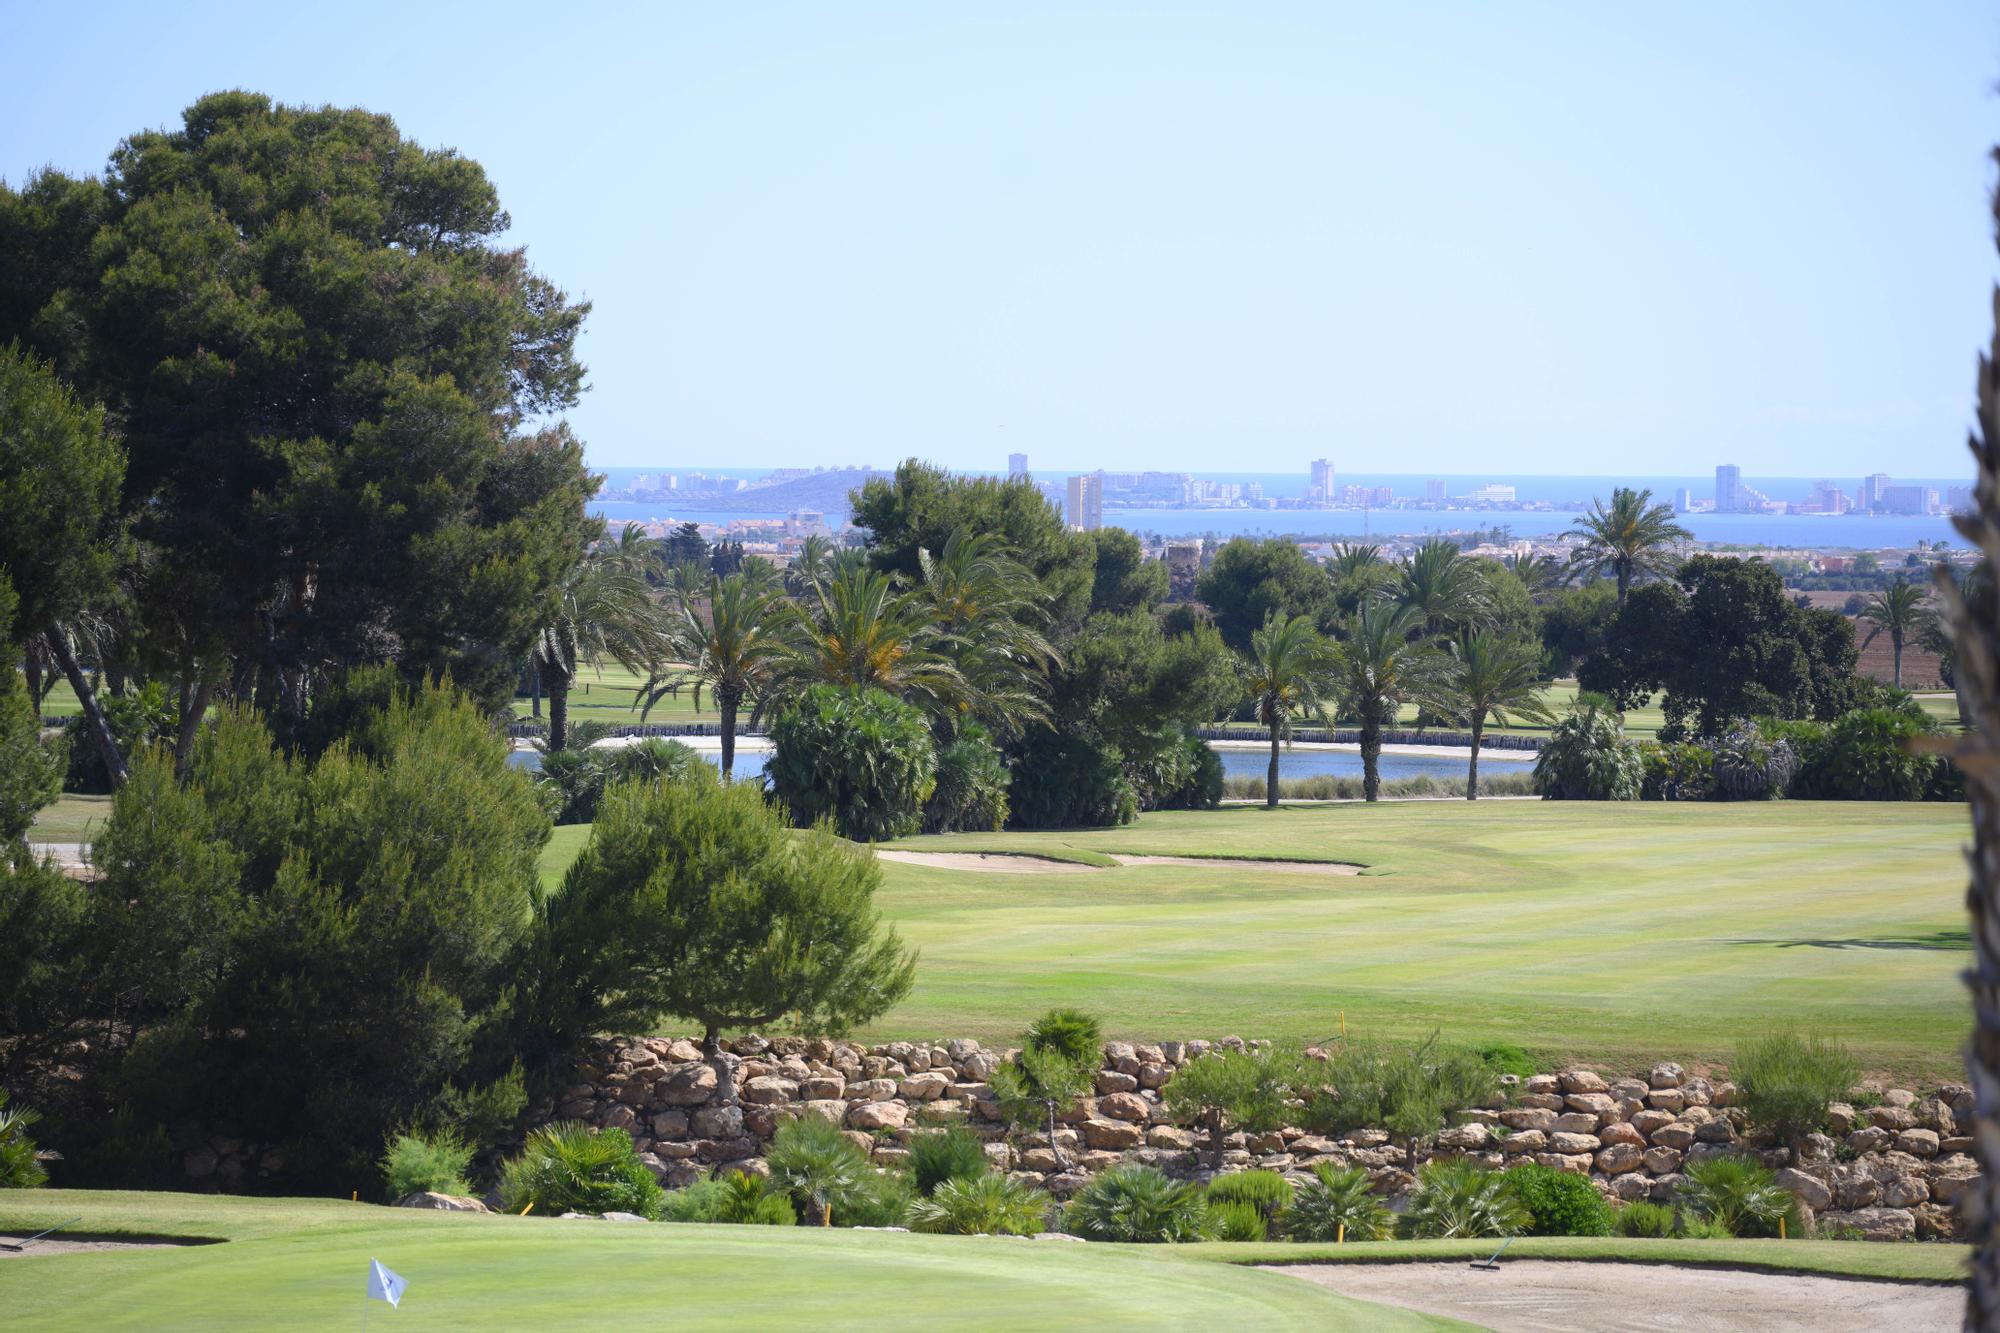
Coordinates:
[1944,940]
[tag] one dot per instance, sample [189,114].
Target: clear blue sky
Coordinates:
[1447,237]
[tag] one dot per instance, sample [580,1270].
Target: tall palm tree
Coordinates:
[604,610]
[1541,575]
[731,634]
[1498,676]
[1378,666]
[1288,668]
[990,608]
[1359,573]
[810,566]
[1629,539]
[861,629]
[1448,590]
[1900,612]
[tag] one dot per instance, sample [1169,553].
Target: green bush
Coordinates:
[1753,765]
[982,1205]
[1407,1089]
[136,720]
[1335,787]
[1786,1081]
[694,1203]
[1237,1221]
[417,1163]
[883,1200]
[1739,1194]
[1863,756]
[971,791]
[751,1201]
[1677,771]
[860,758]
[1071,1032]
[1559,1203]
[1456,1199]
[569,1167]
[20,1167]
[1657,1221]
[1138,1203]
[822,1170]
[1337,1202]
[1503,1057]
[1587,758]
[1229,1090]
[946,1154]
[1265,1190]
[1063,781]
[1178,772]
[572,781]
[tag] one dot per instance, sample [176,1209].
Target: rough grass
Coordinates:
[71,819]
[302,1263]
[609,694]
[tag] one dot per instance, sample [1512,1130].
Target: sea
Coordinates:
[1815,531]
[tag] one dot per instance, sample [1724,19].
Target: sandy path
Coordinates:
[1531,1295]
[1021,864]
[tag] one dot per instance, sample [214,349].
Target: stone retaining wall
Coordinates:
[1893,1172]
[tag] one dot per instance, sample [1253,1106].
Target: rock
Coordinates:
[619,1116]
[924,1087]
[1000,1155]
[824,1087]
[1952,1176]
[826,1108]
[1477,1116]
[1631,1187]
[1868,1140]
[1465,1138]
[1905,1192]
[444,1203]
[1662,1161]
[1620,1158]
[1547,1101]
[1645,1122]
[1918,1142]
[1541,1083]
[1523,1141]
[1959,1098]
[1718,1130]
[1725,1094]
[1110,1080]
[1263,1145]
[1058,1235]
[888,1155]
[877,1115]
[1664,1076]
[1628,1089]
[1875,1223]
[1900,1098]
[1853,1187]
[1582,1080]
[958,1048]
[716,1122]
[725,1150]
[683,1052]
[200,1162]
[1810,1191]
[1936,1222]
[1068,1183]
[1569,1144]
[871,1090]
[1960,1143]
[1111,1135]
[1816,1147]
[1166,1136]
[1626,1135]
[1666,1187]
[621,1217]
[1578,1122]
[1593,1103]
[1125,1106]
[1841,1118]
[686,1085]
[1365,1138]
[670,1125]
[1155,1074]
[1528,1117]
[1933,1113]
[1892,1118]
[767,1090]
[1676,1136]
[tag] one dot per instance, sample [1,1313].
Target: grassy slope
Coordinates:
[1837,1258]
[1609,932]
[70,819]
[607,694]
[302,1263]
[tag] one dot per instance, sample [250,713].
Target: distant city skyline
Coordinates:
[1181,235]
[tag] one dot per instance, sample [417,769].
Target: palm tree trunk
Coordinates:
[93,716]
[725,704]
[1271,781]
[556,682]
[1896,650]
[535,694]
[1371,752]
[1624,581]
[1472,767]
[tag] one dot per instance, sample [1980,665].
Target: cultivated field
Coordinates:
[1615,933]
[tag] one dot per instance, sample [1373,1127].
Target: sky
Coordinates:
[1449,237]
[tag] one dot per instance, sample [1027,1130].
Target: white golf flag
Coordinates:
[384,1285]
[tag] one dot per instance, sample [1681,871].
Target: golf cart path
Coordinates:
[1023,863]
[1535,1295]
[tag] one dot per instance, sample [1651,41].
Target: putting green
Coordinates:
[302,1263]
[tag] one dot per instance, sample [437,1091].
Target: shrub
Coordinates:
[1335,787]
[573,781]
[1180,772]
[1237,1221]
[417,1163]
[883,1200]
[859,758]
[568,1167]
[20,1166]
[983,1205]
[1657,1221]
[1739,1194]
[694,1203]
[1457,1199]
[135,720]
[1057,1064]
[1063,781]
[1559,1203]
[1267,1191]
[947,1154]
[1070,1031]
[1405,1089]
[1753,766]
[971,791]
[1137,1203]
[817,1165]
[1228,1090]
[1503,1057]
[753,1201]
[1862,756]
[1785,1081]
[1677,771]
[1587,758]
[1337,1201]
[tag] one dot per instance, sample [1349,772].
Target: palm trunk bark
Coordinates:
[725,703]
[1271,781]
[1896,651]
[1472,766]
[1371,753]
[93,716]
[555,682]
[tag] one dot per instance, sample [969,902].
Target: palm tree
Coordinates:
[732,635]
[1359,574]
[1288,663]
[1379,666]
[810,566]
[862,630]
[1494,675]
[1899,612]
[1447,590]
[990,608]
[604,610]
[1629,539]
[1541,575]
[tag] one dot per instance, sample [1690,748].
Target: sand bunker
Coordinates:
[1011,864]
[54,1246]
[1529,1295]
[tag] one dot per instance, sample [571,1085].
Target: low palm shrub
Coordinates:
[883,1200]
[946,1154]
[1457,1199]
[971,791]
[1337,1202]
[416,1163]
[817,1165]
[1237,1221]
[1559,1203]
[1266,1191]
[20,1167]
[1786,1081]
[1138,1203]
[748,1200]
[1739,1194]
[1657,1221]
[1753,765]
[863,759]
[568,1167]
[982,1205]
[1587,758]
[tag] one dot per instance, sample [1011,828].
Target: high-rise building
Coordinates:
[1017,465]
[1828,498]
[1728,488]
[1908,499]
[1491,493]
[1086,502]
[1872,487]
[1959,499]
[1683,500]
[1322,481]
[1434,490]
